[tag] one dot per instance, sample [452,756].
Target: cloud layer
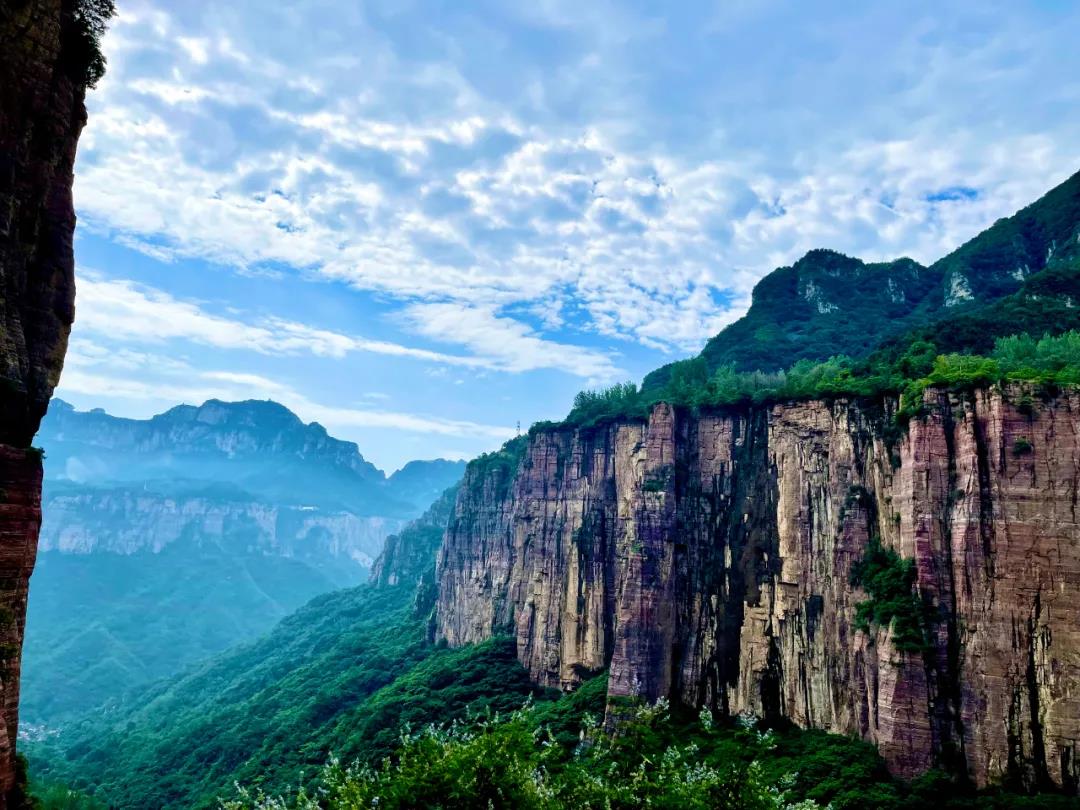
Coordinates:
[585,189]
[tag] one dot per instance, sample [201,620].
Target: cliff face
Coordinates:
[41,117]
[127,521]
[407,556]
[708,559]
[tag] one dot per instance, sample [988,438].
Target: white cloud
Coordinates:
[652,184]
[509,344]
[123,310]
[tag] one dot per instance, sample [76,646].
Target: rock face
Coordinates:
[86,520]
[41,117]
[708,558]
[407,556]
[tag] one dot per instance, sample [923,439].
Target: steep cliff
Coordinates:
[43,78]
[708,558]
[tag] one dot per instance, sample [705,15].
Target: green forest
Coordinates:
[347,705]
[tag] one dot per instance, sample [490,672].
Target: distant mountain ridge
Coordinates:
[828,304]
[166,540]
[258,446]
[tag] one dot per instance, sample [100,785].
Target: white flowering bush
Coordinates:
[512,762]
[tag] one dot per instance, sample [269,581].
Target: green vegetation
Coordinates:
[502,463]
[514,762]
[889,580]
[81,47]
[339,676]
[101,624]
[1046,363]
[593,407]
[659,758]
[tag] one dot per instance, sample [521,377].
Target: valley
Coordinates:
[168,540]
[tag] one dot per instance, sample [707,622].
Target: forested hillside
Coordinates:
[168,540]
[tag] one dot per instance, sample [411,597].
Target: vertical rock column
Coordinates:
[641,666]
[20,519]
[42,85]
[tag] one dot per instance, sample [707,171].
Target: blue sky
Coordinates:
[421,223]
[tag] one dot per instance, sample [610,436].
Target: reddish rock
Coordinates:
[707,559]
[20,519]
[41,117]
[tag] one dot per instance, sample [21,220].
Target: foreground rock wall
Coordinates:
[708,559]
[41,117]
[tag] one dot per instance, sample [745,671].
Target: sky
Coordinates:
[422,224]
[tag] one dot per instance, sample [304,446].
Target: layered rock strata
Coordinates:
[708,559]
[129,521]
[41,117]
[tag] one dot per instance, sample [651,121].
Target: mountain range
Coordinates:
[169,539]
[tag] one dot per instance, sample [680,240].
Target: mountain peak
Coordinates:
[828,304]
[244,412]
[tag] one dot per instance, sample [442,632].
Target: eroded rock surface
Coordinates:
[41,117]
[708,559]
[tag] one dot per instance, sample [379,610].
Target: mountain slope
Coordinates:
[341,674]
[103,623]
[827,304]
[171,539]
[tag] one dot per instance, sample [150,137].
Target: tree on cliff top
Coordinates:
[81,47]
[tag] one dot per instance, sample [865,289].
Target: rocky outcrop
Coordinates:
[41,117]
[708,559]
[407,557]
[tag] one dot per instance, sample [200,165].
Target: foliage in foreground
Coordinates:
[344,675]
[514,762]
[655,760]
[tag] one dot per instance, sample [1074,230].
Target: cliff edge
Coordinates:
[45,53]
